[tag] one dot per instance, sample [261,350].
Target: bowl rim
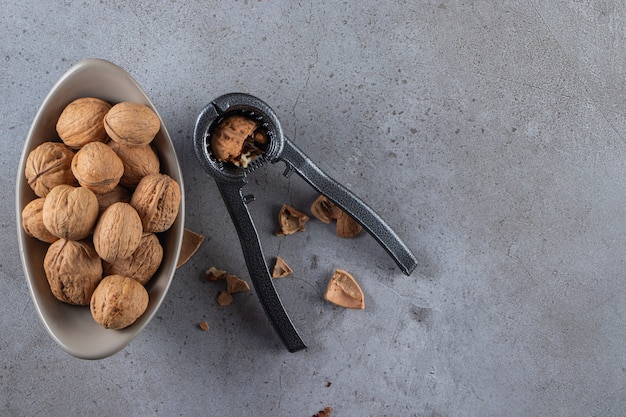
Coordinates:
[126,336]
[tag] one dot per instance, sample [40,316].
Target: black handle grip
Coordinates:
[351,204]
[257,267]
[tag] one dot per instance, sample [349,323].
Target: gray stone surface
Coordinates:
[490,135]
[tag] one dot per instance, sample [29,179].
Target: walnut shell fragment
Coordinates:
[142,264]
[117,233]
[224,298]
[73,270]
[344,291]
[32,221]
[213,274]
[281,269]
[70,212]
[131,123]
[49,165]
[118,302]
[326,211]
[290,221]
[234,284]
[157,200]
[190,245]
[97,167]
[227,140]
[82,121]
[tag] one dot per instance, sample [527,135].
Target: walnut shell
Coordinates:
[132,123]
[82,121]
[118,302]
[138,161]
[32,221]
[70,212]
[49,165]
[97,167]
[290,221]
[344,291]
[157,200]
[116,195]
[117,233]
[142,264]
[73,270]
[228,138]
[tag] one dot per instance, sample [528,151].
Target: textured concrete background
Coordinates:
[490,135]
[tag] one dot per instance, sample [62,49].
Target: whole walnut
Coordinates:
[70,212]
[49,165]
[73,270]
[82,121]
[97,167]
[116,195]
[157,200]
[118,232]
[142,264]
[131,123]
[118,302]
[139,161]
[32,221]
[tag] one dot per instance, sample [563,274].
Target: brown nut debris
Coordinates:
[70,212]
[49,165]
[234,284]
[344,291]
[324,413]
[132,123]
[325,210]
[138,162]
[142,264]
[281,269]
[238,139]
[82,121]
[190,245]
[213,274]
[117,233]
[118,302]
[73,270]
[224,298]
[116,195]
[32,221]
[157,200]
[290,221]
[97,167]
[203,325]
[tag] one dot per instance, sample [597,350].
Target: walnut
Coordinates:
[290,221]
[157,200]
[73,270]
[132,123]
[82,121]
[325,210]
[118,302]
[49,165]
[97,167]
[344,291]
[138,161]
[143,262]
[281,269]
[116,195]
[32,221]
[118,232]
[70,212]
[238,139]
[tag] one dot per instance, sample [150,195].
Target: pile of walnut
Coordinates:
[101,203]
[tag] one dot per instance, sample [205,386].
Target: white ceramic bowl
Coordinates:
[72,327]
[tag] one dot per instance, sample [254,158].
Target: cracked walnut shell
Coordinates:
[118,302]
[49,165]
[70,212]
[82,121]
[131,123]
[157,200]
[73,270]
[118,232]
[344,291]
[290,221]
[97,167]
